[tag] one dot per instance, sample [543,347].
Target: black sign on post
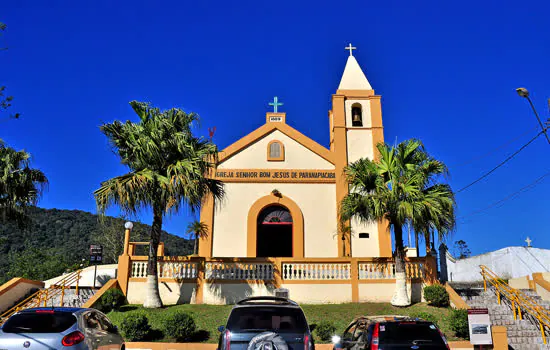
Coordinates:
[96,254]
[96,257]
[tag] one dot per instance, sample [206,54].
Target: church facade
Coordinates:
[278,227]
[283,189]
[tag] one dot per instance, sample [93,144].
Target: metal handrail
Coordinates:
[519,300]
[44,295]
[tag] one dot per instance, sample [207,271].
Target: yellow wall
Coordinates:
[296,156]
[316,201]
[519,283]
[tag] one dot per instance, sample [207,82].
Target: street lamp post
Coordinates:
[523,92]
[128,226]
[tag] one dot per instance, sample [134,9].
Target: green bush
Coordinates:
[325,330]
[135,327]
[426,316]
[112,299]
[180,326]
[459,323]
[436,295]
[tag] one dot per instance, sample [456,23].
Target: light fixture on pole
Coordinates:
[523,92]
[128,227]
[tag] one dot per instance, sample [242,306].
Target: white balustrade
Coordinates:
[316,271]
[239,271]
[167,269]
[139,269]
[387,270]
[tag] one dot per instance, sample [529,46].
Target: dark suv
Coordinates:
[269,323]
[391,333]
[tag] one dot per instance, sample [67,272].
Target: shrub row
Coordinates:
[180,326]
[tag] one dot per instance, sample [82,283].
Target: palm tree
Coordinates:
[403,187]
[20,185]
[199,230]
[168,170]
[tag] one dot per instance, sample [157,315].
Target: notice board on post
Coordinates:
[96,254]
[479,324]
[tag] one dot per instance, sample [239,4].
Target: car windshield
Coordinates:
[39,322]
[409,333]
[255,319]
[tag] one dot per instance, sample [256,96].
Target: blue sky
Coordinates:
[447,73]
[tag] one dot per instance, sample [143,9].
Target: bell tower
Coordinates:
[355,130]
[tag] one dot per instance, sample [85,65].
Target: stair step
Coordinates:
[522,334]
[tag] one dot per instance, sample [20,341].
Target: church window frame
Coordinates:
[357,107]
[272,154]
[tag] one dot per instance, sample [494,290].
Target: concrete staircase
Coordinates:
[522,334]
[71,299]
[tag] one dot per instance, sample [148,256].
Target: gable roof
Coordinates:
[268,128]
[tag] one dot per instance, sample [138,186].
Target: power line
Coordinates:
[502,163]
[496,148]
[510,196]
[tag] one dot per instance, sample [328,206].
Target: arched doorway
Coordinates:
[274,232]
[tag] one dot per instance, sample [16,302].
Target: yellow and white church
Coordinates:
[283,189]
[278,226]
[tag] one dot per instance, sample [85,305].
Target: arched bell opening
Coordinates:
[356,115]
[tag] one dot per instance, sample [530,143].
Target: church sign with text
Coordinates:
[278,175]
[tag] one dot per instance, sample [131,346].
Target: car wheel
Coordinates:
[262,341]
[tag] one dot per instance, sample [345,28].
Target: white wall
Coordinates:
[230,293]
[15,293]
[511,262]
[360,146]
[104,274]
[317,202]
[296,156]
[364,247]
[383,292]
[171,293]
[310,293]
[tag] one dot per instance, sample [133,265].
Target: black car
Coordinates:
[272,322]
[391,333]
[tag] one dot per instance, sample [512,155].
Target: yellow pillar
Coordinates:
[123,272]
[354,275]
[160,250]
[128,227]
[430,268]
[199,293]
[500,338]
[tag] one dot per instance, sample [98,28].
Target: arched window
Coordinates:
[275,151]
[356,115]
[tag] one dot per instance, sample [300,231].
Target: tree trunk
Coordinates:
[152,297]
[401,295]
[416,243]
[195,247]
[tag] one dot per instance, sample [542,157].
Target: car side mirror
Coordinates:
[221,329]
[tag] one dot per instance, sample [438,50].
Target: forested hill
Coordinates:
[55,240]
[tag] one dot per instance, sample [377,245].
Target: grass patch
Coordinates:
[209,317]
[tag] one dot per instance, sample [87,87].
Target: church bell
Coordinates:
[356,116]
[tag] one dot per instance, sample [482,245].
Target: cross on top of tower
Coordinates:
[528,241]
[350,48]
[275,104]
